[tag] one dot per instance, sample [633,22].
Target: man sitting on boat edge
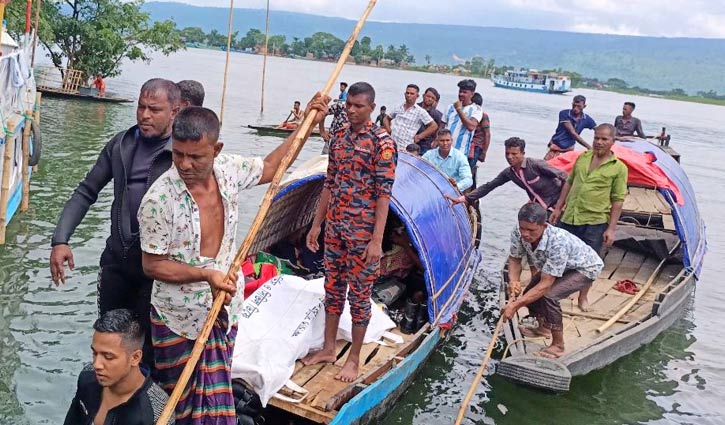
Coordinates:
[116,388]
[626,124]
[560,263]
[571,123]
[188,222]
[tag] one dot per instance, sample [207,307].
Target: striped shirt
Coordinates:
[406,123]
[461,135]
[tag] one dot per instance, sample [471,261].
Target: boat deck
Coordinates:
[326,394]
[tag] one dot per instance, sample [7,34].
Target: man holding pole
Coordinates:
[354,202]
[188,221]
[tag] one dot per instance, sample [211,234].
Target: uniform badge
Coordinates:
[387,154]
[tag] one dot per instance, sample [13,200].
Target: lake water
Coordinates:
[45,331]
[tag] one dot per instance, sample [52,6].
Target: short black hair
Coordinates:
[477,99]
[579,98]
[344,84]
[297,102]
[443,132]
[192,123]
[383,108]
[413,86]
[155,85]
[532,212]
[362,87]
[435,93]
[515,142]
[631,104]
[413,148]
[191,91]
[467,84]
[124,322]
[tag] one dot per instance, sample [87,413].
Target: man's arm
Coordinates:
[430,130]
[465,177]
[386,124]
[619,192]
[570,128]
[314,233]
[470,123]
[385,162]
[532,295]
[543,168]
[486,143]
[274,159]
[638,131]
[556,214]
[483,190]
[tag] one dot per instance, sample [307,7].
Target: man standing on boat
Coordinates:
[452,162]
[188,220]
[626,124]
[431,97]
[406,119]
[571,123]
[560,265]
[463,116]
[593,195]
[541,181]
[133,159]
[354,203]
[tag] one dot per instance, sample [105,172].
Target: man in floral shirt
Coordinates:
[188,222]
[560,264]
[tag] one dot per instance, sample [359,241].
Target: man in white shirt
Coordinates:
[188,222]
[407,120]
[463,116]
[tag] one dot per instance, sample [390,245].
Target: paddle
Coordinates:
[288,159]
[481,370]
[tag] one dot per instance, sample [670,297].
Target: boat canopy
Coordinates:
[651,166]
[440,232]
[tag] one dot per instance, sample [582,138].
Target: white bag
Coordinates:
[379,324]
[281,322]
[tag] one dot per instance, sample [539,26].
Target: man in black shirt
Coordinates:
[431,97]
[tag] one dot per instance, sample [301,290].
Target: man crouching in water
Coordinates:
[354,201]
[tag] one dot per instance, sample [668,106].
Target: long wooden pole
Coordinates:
[226,64]
[479,374]
[35,32]
[287,160]
[264,61]
[26,159]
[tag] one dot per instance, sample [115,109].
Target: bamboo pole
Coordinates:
[479,374]
[226,64]
[5,187]
[36,115]
[297,143]
[264,61]
[35,33]
[26,158]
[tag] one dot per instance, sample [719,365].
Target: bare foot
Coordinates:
[551,352]
[583,302]
[534,332]
[321,356]
[349,371]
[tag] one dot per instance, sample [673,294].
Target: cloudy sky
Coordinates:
[668,18]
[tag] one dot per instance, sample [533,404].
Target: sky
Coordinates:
[659,18]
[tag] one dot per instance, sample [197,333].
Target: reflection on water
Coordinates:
[45,331]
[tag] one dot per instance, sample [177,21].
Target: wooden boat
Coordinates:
[20,143]
[533,81]
[660,241]
[441,234]
[86,95]
[272,130]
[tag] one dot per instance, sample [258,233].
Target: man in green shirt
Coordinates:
[593,195]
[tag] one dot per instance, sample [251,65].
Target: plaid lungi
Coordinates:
[208,398]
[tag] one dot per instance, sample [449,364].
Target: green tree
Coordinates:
[478,65]
[365,46]
[277,45]
[379,52]
[252,39]
[298,47]
[96,36]
[617,83]
[193,35]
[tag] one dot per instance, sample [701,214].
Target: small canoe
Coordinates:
[272,130]
[440,233]
[660,241]
[61,94]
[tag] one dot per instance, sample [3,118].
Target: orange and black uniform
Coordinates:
[361,170]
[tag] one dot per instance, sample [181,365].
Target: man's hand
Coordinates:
[312,236]
[509,311]
[514,289]
[318,103]
[457,105]
[373,252]
[453,181]
[482,156]
[217,284]
[608,238]
[325,136]
[555,216]
[456,200]
[416,139]
[59,255]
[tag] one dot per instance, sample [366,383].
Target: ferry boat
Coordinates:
[532,80]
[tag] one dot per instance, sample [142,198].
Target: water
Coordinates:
[45,331]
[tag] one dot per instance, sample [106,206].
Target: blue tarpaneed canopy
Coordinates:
[689,225]
[440,232]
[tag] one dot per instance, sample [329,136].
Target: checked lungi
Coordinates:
[207,399]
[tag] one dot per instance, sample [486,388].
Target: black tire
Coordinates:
[37,143]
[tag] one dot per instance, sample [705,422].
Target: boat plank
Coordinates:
[610,303]
[305,411]
[323,386]
[644,273]
[628,268]
[612,259]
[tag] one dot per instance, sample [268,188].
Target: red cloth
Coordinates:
[266,272]
[642,168]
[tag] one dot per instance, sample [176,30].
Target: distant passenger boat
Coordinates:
[532,80]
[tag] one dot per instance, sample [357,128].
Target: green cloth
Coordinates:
[265,258]
[592,193]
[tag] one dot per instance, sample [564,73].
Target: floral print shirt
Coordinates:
[170,225]
[557,252]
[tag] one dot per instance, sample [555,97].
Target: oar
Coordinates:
[291,155]
[479,375]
